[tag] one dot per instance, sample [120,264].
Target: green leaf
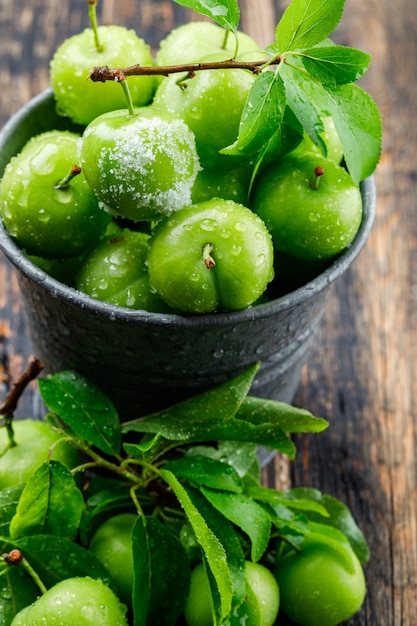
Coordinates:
[267,434]
[84,408]
[335,65]
[262,114]
[291,419]
[274,497]
[137,450]
[306,23]
[284,140]
[331,536]
[302,105]
[358,124]
[253,420]
[214,551]
[56,558]
[246,514]
[339,517]
[225,12]
[229,538]
[208,472]
[162,574]
[9,498]
[241,456]
[181,420]
[141,593]
[51,504]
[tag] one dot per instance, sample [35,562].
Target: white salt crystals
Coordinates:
[141,167]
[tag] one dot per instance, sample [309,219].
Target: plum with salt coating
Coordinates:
[142,166]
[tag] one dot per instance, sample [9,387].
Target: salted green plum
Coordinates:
[80,601]
[115,271]
[211,105]
[215,255]
[46,217]
[142,167]
[311,206]
[82,100]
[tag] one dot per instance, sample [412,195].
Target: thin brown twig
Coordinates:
[105,73]
[8,407]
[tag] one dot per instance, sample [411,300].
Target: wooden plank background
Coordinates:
[361,373]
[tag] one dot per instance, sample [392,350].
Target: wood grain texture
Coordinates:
[361,374]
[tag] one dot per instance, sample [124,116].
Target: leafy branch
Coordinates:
[190,472]
[304,78]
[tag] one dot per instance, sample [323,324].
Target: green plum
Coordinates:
[115,271]
[142,167]
[215,255]
[112,545]
[226,184]
[80,601]
[34,440]
[321,584]
[192,41]
[48,217]
[260,607]
[211,105]
[81,99]
[63,270]
[311,206]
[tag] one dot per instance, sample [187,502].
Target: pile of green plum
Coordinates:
[143,208]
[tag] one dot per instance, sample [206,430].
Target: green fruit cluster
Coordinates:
[144,210]
[112,523]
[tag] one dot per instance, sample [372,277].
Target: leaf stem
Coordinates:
[136,500]
[99,461]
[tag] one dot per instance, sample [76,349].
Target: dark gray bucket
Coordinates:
[146,361]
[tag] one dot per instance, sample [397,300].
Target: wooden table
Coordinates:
[362,372]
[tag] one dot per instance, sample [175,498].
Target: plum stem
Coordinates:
[92,11]
[128,97]
[16,557]
[34,575]
[64,182]
[208,259]
[316,178]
